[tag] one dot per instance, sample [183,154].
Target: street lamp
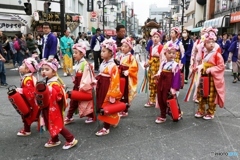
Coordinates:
[184,5]
[99,3]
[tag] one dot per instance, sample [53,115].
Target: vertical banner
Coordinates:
[90,5]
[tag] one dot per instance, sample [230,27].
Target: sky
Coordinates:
[141,7]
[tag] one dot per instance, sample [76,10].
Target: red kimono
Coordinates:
[28,89]
[53,114]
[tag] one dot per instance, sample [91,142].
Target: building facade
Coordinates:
[157,12]
[14,19]
[115,12]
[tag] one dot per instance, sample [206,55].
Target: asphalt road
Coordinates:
[136,138]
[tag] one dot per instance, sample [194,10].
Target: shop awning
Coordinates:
[216,22]
[196,29]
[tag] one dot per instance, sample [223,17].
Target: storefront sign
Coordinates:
[110,32]
[235,17]
[55,16]
[93,19]
[10,26]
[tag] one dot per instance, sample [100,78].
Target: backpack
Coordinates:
[16,45]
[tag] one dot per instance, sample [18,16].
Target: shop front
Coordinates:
[198,27]
[72,21]
[221,23]
[234,21]
[13,24]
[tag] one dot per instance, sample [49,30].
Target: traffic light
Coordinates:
[28,8]
[47,8]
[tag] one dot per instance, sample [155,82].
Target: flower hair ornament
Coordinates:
[211,34]
[154,31]
[81,47]
[52,64]
[128,42]
[32,64]
[176,29]
[171,46]
[110,44]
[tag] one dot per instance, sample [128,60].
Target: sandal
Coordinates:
[235,80]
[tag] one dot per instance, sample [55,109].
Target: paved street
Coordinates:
[136,138]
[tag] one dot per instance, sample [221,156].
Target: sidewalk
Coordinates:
[8,65]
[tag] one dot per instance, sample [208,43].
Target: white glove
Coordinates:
[208,70]
[173,91]
[112,100]
[126,73]
[19,90]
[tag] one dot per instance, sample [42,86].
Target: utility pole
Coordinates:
[125,18]
[63,21]
[183,7]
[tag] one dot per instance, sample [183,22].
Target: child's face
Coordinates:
[77,55]
[125,48]
[173,34]
[47,71]
[156,39]
[209,44]
[170,55]
[23,69]
[105,53]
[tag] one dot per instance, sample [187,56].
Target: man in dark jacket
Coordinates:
[95,45]
[31,44]
[188,45]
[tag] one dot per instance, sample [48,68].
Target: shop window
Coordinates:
[224,4]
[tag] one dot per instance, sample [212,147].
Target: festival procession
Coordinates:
[102,85]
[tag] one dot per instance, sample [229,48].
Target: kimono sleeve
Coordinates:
[114,87]
[232,47]
[133,68]
[57,92]
[218,66]
[176,81]
[28,88]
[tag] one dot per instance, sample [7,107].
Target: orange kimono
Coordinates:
[108,85]
[128,61]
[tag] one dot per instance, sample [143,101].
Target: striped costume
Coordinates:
[154,63]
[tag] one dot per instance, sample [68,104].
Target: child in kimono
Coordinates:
[212,67]
[153,64]
[108,85]
[169,81]
[27,90]
[128,70]
[82,82]
[53,113]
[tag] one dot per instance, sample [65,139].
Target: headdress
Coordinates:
[128,42]
[154,31]
[171,46]
[176,29]
[31,63]
[81,47]
[110,44]
[211,34]
[53,64]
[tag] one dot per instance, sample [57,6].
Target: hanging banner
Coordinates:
[90,5]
